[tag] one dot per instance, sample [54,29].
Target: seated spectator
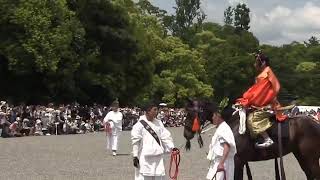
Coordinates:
[14,129]
[38,128]
[98,125]
[25,130]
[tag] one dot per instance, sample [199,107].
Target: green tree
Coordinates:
[313,41]
[296,66]
[40,41]
[308,80]
[229,62]
[188,19]
[228,16]
[115,63]
[147,8]
[241,17]
[180,73]
[306,67]
[313,53]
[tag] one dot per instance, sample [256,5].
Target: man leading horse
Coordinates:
[303,131]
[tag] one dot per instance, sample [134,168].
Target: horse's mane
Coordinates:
[210,107]
[227,112]
[228,116]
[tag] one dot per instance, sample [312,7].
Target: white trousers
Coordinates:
[219,176]
[139,176]
[112,142]
[112,138]
[229,167]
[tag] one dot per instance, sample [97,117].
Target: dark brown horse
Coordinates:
[301,137]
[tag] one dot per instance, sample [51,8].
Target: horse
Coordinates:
[302,140]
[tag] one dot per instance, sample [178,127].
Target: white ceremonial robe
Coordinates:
[148,151]
[115,121]
[222,135]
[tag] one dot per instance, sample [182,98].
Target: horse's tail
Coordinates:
[248,171]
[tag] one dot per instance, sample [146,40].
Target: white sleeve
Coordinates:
[222,140]
[106,118]
[136,137]
[117,120]
[166,139]
[120,122]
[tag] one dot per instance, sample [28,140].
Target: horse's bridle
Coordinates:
[197,112]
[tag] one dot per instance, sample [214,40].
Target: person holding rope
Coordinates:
[221,151]
[150,141]
[113,127]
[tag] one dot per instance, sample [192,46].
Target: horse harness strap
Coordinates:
[283,175]
[151,131]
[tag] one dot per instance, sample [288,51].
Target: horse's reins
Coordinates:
[175,158]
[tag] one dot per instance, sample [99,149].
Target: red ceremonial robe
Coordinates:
[263,92]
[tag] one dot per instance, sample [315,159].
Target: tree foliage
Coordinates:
[97,50]
[39,44]
[228,16]
[241,17]
[180,73]
[188,19]
[313,41]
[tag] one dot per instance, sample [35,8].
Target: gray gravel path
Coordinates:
[83,157]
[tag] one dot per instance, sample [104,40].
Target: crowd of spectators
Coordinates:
[306,110]
[37,120]
[172,117]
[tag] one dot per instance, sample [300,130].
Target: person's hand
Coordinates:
[136,162]
[220,167]
[175,149]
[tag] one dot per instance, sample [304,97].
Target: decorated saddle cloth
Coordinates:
[259,119]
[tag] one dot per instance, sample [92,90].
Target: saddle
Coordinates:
[243,114]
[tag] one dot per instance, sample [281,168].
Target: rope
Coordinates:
[175,158]
[107,128]
[224,175]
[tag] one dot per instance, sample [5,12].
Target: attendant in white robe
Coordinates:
[148,154]
[221,151]
[113,125]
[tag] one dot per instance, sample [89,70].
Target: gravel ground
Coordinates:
[83,157]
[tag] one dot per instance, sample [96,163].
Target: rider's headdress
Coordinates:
[262,58]
[223,104]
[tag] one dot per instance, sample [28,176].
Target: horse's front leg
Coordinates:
[238,168]
[200,141]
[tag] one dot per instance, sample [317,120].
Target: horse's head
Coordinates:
[197,111]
